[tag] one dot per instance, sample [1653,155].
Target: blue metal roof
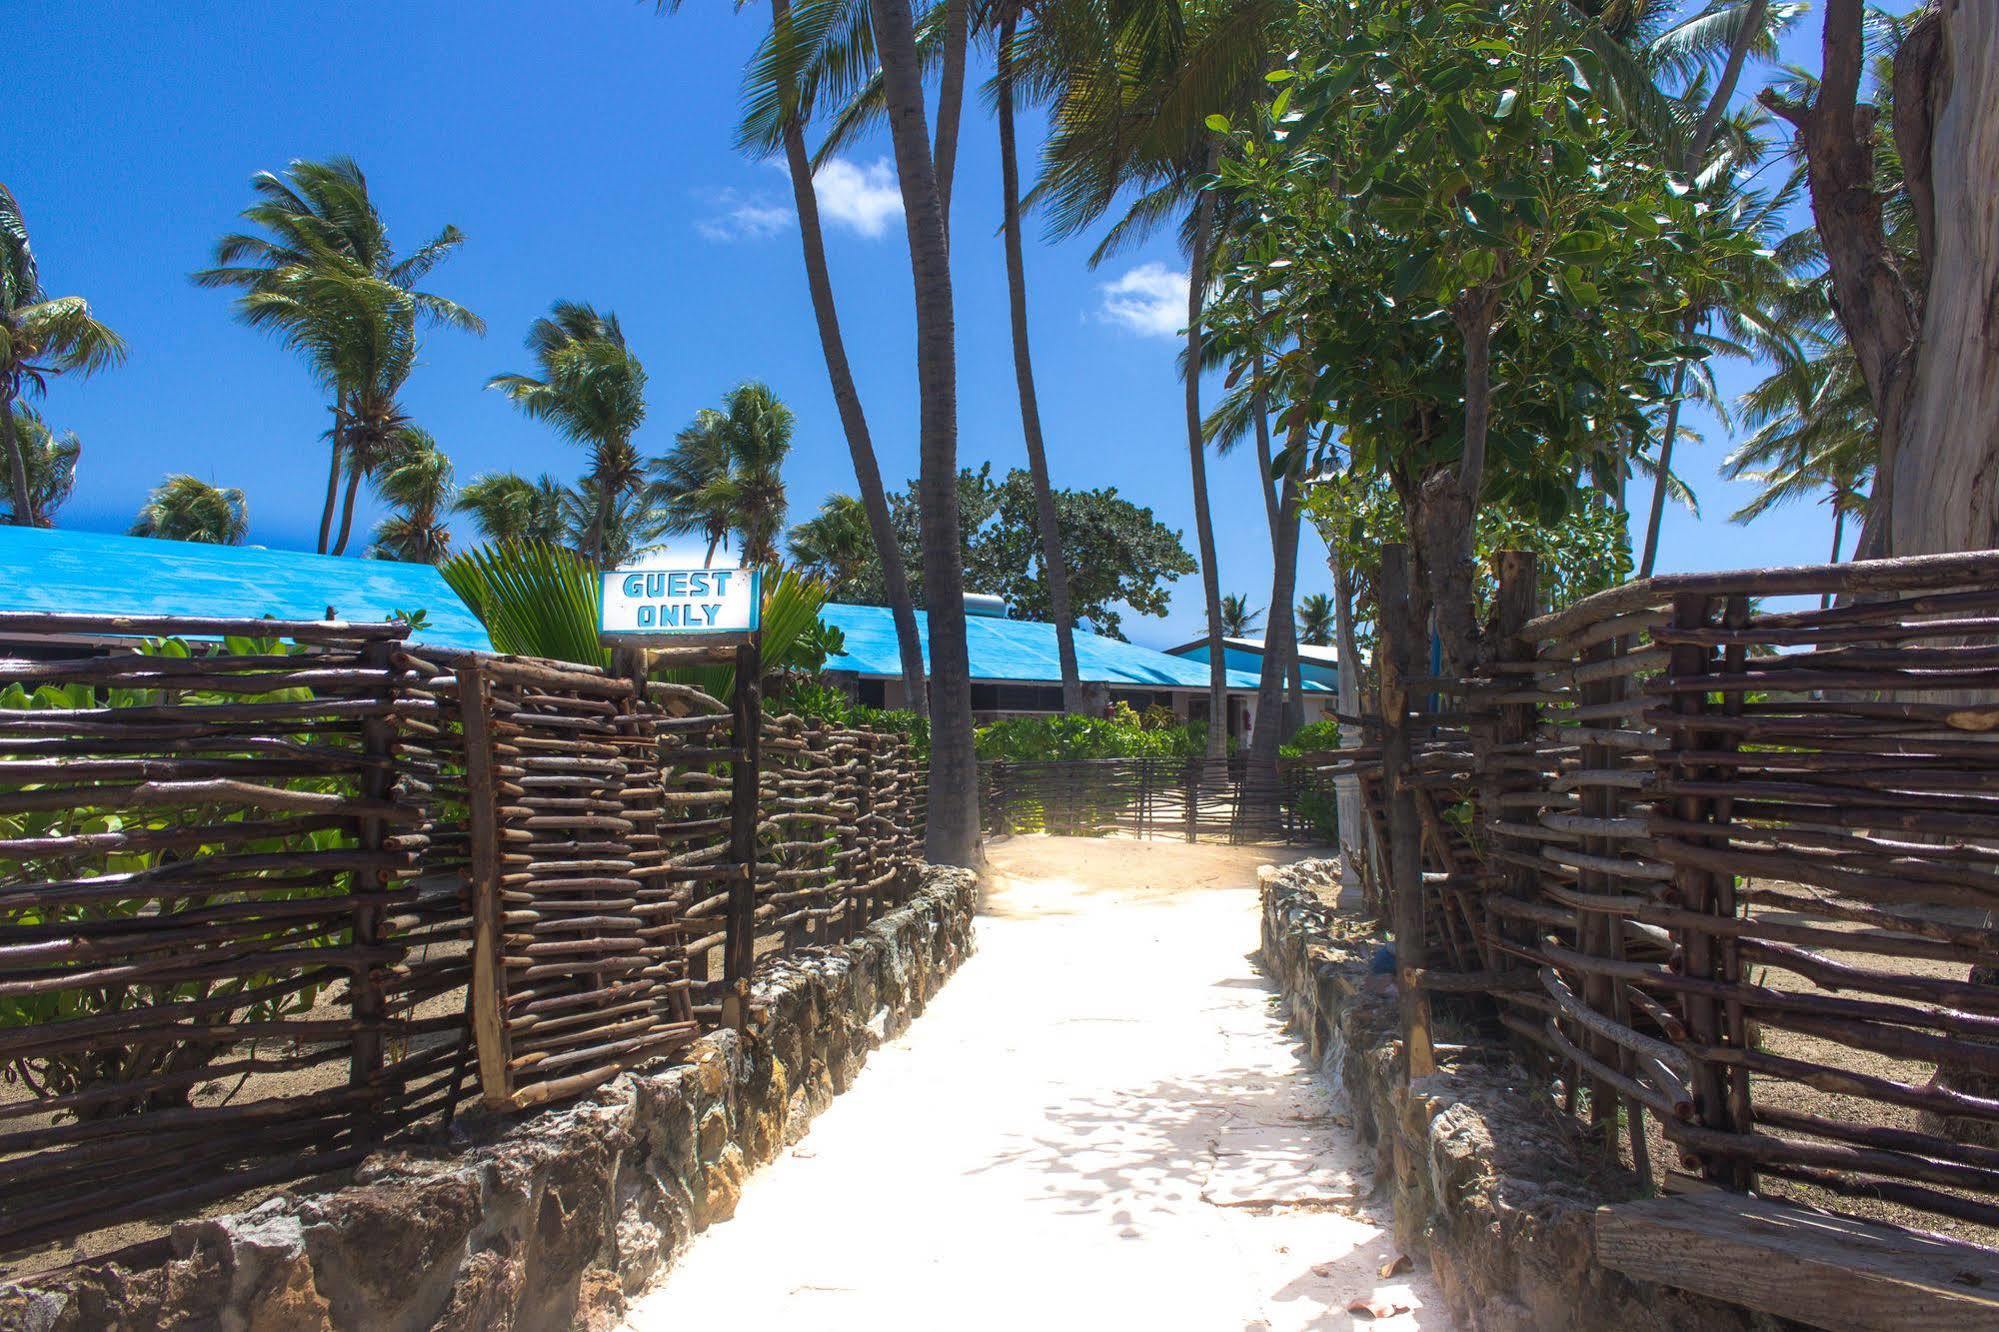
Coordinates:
[1020,650]
[95,573]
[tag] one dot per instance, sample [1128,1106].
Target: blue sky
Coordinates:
[585,150]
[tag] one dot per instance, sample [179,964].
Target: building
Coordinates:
[1318,667]
[58,571]
[1016,670]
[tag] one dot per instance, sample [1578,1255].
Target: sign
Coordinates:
[681,603]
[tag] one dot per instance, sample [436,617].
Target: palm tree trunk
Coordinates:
[953,836]
[1197,457]
[1672,432]
[847,399]
[1279,630]
[951,100]
[332,484]
[1053,563]
[347,509]
[17,467]
[1838,536]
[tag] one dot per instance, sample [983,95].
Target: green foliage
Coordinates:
[535,599]
[793,638]
[724,474]
[1124,734]
[50,462]
[1313,738]
[815,700]
[1118,553]
[186,508]
[261,996]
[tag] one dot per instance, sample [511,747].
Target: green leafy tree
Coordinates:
[591,388]
[320,273]
[41,336]
[50,461]
[186,508]
[1238,620]
[837,546]
[1317,620]
[506,506]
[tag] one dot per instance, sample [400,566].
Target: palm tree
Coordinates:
[416,480]
[803,56]
[186,508]
[50,461]
[725,473]
[40,336]
[319,222]
[1317,620]
[953,835]
[1238,620]
[592,389]
[1054,566]
[835,545]
[506,506]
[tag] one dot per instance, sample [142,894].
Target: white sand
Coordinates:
[1099,1123]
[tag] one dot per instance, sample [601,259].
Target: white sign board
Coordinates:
[676,603]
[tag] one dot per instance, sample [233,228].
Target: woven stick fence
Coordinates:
[1188,798]
[1701,854]
[270,901]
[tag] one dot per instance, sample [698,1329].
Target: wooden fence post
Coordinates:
[489,979]
[739,951]
[1404,828]
[370,1007]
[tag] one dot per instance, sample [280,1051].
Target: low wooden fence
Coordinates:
[1733,867]
[270,900]
[1188,798]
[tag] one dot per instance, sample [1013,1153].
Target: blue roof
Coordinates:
[94,573]
[1020,650]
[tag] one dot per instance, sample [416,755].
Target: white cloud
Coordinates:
[736,216]
[862,199]
[1150,299]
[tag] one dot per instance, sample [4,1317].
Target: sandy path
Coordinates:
[1099,1123]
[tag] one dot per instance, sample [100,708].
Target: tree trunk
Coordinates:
[1279,631]
[953,837]
[1672,432]
[17,467]
[1945,491]
[1197,452]
[847,399]
[1838,535]
[1875,303]
[1443,525]
[332,485]
[347,509]
[951,100]
[1352,818]
[1053,563]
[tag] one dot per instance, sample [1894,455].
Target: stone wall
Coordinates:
[1487,1176]
[550,1221]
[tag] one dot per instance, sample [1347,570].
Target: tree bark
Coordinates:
[1444,524]
[951,101]
[953,837]
[17,466]
[1279,629]
[847,399]
[1054,564]
[1945,492]
[1353,828]
[1658,511]
[347,510]
[1204,527]
[1838,535]
[332,485]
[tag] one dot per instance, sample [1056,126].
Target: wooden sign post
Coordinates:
[709,615]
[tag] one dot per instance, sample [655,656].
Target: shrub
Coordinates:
[1314,738]
[1123,734]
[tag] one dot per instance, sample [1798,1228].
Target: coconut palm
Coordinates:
[1238,620]
[416,480]
[725,473]
[186,508]
[318,221]
[953,831]
[41,336]
[506,506]
[1317,620]
[50,460]
[835,545]
[821,49]
[592,390]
